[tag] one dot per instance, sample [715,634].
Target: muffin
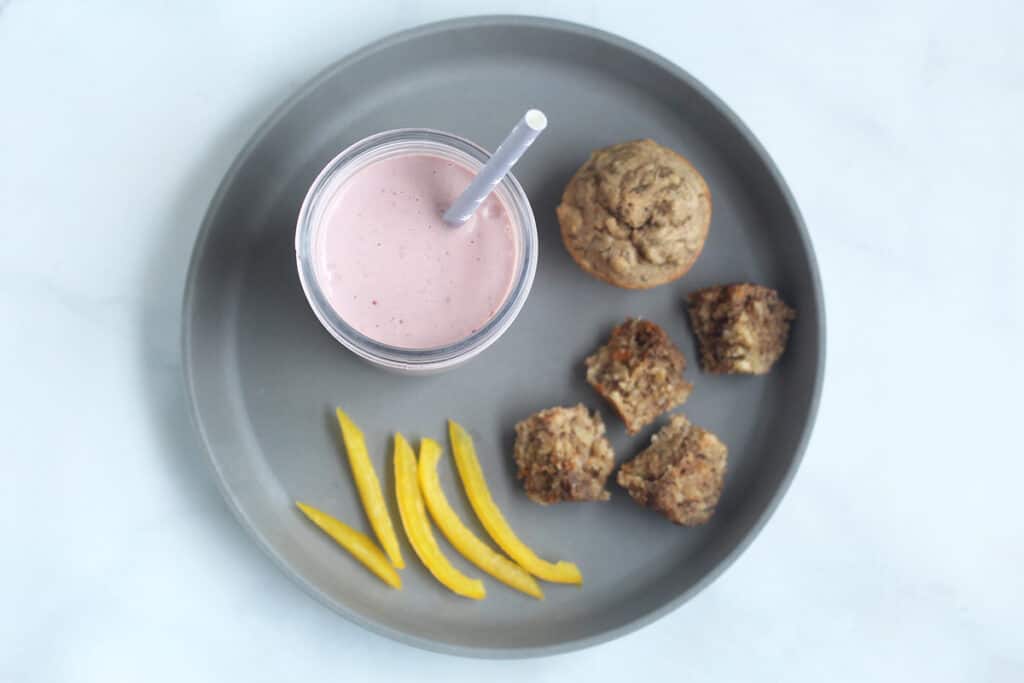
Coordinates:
[639,372]
[562,455]
[635,215]
[680,474]
[740,328]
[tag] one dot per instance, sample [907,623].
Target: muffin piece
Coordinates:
[741,328]
[562,455]
[635,215]
[640,372]
[680,474]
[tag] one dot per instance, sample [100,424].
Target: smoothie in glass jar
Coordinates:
[393,270]
[388,277]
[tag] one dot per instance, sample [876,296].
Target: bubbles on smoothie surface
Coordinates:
[492,209]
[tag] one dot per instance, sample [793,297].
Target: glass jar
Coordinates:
[310,226]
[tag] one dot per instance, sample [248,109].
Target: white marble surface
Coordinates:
[898,553]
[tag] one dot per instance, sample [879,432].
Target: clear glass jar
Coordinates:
[413,141]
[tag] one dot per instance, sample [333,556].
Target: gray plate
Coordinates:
[263,376]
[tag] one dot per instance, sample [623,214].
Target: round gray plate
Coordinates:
[264,377]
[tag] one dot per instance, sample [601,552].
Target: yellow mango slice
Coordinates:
[414,518]
[493,521]
[369,488]
[358,544]
[471,547]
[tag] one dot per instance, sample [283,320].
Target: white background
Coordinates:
[898,553]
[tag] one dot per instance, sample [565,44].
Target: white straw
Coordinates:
[508,153]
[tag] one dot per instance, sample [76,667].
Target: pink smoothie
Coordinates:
[393,270]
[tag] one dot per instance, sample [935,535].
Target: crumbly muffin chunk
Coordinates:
[563,455]
[635,214]
[741,328]
[680,474]
[640,372]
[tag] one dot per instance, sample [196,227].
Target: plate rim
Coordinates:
[476,21]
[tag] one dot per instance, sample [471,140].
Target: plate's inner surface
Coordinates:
[266,376]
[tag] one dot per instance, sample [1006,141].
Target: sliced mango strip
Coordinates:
[417,528]
[360,545]
[369,488]
[486,509]
[471,547]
